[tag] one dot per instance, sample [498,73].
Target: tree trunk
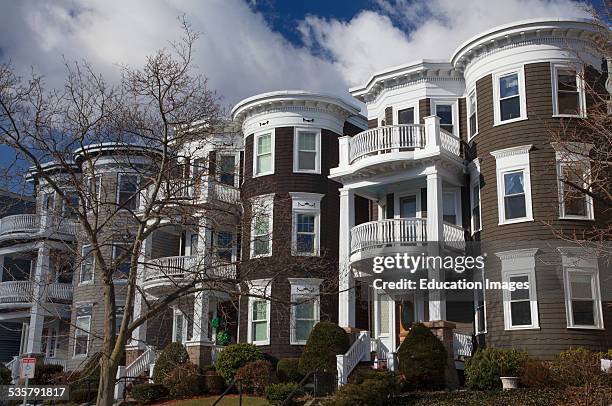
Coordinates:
[106,390]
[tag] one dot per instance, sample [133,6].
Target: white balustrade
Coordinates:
[184,267]
[55,361]
[454,236]
[22,291]
[224,193]
[358,352]
[60,291]
[462,344]
[386,139]
[375,234]
[450,142]
[37,224]
[141,364]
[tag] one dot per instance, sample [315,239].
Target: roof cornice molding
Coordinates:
[515,254]
[520,150]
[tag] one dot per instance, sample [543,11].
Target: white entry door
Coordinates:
[384,310]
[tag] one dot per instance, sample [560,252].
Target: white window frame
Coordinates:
[513,160]
[262,289]
[115,247]
[97,180]
[520,70]
[80,332]
[469,113]
[576,154]
[296,133]
[256,136]
[581,261]
[406,106]
[306,203]
[484,308]
[304,289]
[262,206]
[178,312]
[136,195]
[234,248]
[474,170]
[454,103]
[520,263]
[580,86]
[93,267]
[236,156]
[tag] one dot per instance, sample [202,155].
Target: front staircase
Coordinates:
[358,352]
[144,363]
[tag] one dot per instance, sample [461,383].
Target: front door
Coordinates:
[406,315]
[384,308]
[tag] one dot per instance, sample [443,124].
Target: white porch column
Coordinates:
[139,335]
[39,298]
[344,144]
[437,301]
[346,297]
[432,133]
[201,305]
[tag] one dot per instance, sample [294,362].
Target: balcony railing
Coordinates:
[462,344]
[23,291]
[187,189]
[37,224]
[184,269]
[386,139]
[376,234]
[450,142]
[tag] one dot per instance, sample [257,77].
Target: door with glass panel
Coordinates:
[384,308]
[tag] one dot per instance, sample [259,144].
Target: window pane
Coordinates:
[305,243]
[445,112]
[262,224]
[473,127]
[514,183]
[128,188]
[264,163]
[303,329]
[514,207]
[261,245]
[307,141]
[566,80]
[476,217]
[123,269]
[583,312]
[574,201]
[307,160]
[580,286]
[519,294]
[305,223]
[260,331]
[264,144]
[569,102]
[521,313]
[227,170]
[408,207]
[508,85]
[304,310]
[260,308]
[448,207]
[405,116]
[510,108]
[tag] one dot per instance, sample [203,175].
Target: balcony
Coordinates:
[378,237]
[19,293]
[184,190]
[23,226]
[385,149]
[163,274]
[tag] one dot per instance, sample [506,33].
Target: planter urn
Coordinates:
[509,382]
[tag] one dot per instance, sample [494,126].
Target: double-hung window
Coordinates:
[307,150]
[305,312]
[513,184]
[121,252]
[306,208]
[87,264]
[305,224]
[263,162]
[70,205]
[568,92]
[446,111]
[405,116]
[81,330]
[520,291]
[472,114]
[574,176]
[259,312]
[227,170]
[510,101]
[261,226]
[128,186]
[224,245]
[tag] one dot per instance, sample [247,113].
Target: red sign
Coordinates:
[27,367]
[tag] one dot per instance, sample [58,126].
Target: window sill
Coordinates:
[569,115]
[585,328]
[85,283]
[260,256]
[260,343]
[513,120]
[311,172]
[516,221]
[576,218]
[259,175]
[522,328]
[302,343]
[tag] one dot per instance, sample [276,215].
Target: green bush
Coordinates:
[236,356]
[515,397]
[578,367]
[325,342]
[83,395]
[482,371]
[171,357]
[255,376]
[44,373]
[422,359]
[376,390]
[148,392]
[278,392]
[535,374]
[5,375]
[288,370]
[185,380]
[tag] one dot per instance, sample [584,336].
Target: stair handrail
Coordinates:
[348,361]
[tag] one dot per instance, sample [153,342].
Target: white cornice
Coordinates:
[520,150]
[515,254]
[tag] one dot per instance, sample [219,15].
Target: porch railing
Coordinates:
[37,224]
[376,234]
[386,139]
[450,142]
[463,344]
[179,267]
[359,351]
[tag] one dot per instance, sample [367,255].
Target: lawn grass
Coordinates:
[228,400]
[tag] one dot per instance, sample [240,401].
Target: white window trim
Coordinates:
[296,132]
[216,243]
[93,266]
[469,113]
[236,156]
[306,203]
[176,312]
[264,205]
[484,309]
[304,289]
[76,334]
[406,106]
[256,136]
[520,263]
[582,261]
[577,155]
[512,160]
[474,170]
[115,245]
[259,287]
[580,87]
[455,111]
[522,96]
[118,192]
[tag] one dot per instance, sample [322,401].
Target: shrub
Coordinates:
[6,375]
[148,392]
[376,390]
[422,359]
[83,395]
[535,374]
[325,342]
[482,371]
[213,382]
[255,376]
[288,370]
[44,373]
[171,357]
[236,356]
[521,396]
[578,367]
[278,392]
[185,380]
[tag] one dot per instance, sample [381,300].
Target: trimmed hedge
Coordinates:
[288,370]
[234,357]
[325,342]
[422,359]
[172,356]
[184,381]
[5,375]
[148,392]
[278,392]
[482,371]
[515,397]
[535,374]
